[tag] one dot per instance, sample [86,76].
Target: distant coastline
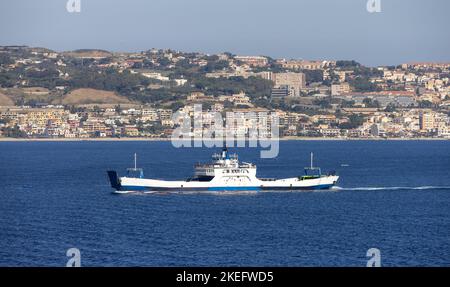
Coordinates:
[5,139]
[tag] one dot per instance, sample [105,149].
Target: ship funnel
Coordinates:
[224,153]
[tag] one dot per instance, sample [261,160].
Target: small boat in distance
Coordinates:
[224,174]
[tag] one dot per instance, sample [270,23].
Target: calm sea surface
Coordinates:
[392,195]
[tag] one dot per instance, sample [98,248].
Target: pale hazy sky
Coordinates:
[404,31]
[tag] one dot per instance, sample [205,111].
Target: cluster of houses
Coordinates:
[58,122]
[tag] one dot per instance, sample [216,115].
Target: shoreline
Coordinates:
[6,139]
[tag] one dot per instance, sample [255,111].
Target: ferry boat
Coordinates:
[224,174]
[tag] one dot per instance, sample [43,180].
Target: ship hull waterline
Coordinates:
[129,185]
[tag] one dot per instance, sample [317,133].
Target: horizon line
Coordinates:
[416,62]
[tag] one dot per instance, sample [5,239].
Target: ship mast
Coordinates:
[135,161]
[312,158]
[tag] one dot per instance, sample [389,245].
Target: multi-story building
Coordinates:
[339,89]
[281,92]
[237,99]
[266,75]
[217,108]
[149,115]
[426,121]
[384,98]
[130,131]
[342,75]
[255,61]
[156,76]
[94,126]
[294,81]
[302,64]
[199,97]
[165,114]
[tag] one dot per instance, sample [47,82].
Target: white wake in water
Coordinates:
[390,188]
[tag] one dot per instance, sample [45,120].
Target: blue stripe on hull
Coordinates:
[134,188]
[322,186]
[234,188]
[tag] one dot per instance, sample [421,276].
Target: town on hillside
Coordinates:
[101,94]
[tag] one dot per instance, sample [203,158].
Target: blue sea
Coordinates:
[392,195]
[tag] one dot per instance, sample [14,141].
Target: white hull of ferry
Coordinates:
[225,173]
[126,184]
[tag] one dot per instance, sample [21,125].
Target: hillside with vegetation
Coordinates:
[91,96]
[5,100]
